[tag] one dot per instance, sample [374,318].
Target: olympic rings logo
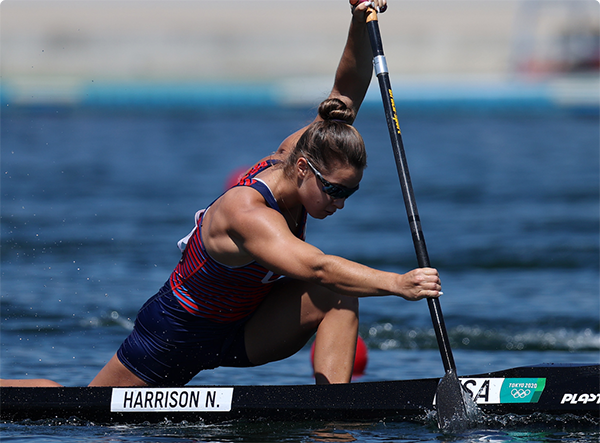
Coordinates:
[520,393]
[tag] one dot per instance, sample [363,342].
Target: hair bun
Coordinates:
[333,109]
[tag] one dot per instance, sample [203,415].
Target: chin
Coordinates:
[319,216]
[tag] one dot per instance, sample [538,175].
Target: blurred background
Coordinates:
[199,52]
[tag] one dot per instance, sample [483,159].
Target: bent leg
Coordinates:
[114,373]
[33,383]
[290,315]
[335,347]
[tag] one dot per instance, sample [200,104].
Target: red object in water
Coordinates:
[361,357]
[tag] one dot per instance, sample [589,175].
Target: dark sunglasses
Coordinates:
[335,191]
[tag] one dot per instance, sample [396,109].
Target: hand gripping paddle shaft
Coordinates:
[451,410]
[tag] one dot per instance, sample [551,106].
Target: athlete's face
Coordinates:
[326,192]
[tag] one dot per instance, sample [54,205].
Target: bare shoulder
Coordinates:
[238,217]
[238,202]
[242,212]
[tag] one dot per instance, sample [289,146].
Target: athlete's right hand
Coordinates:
[420,283]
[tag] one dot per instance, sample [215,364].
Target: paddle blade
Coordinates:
[451,410]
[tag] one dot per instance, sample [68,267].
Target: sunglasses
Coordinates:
[335,191]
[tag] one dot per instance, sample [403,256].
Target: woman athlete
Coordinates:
[248,289]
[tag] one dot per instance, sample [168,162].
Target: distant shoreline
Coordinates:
[568,92]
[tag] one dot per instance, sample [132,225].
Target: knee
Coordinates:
[341,318]
[343,308]
[350,303]
[326,300]
[349,310]
[344,303]
[322,303]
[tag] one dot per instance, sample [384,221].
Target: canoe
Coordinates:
[549,389]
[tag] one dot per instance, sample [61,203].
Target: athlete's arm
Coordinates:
[354,71]
[262,234]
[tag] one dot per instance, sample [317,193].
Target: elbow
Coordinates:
[320,275]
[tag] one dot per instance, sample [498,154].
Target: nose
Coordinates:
[339,203]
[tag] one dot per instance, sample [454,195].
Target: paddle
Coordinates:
[450,405]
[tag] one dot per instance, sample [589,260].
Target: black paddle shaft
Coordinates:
[414,221]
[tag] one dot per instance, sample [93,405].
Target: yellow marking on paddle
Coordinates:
[394,116]
[371,15]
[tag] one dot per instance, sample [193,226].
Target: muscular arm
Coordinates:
[262,234]
[354,71]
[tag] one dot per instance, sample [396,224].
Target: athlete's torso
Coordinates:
[215,291]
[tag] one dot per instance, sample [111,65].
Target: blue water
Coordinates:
[94,200]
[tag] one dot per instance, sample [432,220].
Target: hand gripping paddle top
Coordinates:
[450,405]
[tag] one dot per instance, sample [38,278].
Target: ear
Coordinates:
[302,167]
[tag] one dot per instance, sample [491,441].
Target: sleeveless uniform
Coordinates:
[214,291]
[196,320]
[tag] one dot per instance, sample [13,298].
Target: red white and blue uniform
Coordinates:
[218,292]
[196,320]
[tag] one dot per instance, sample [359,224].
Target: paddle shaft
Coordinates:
[414,221]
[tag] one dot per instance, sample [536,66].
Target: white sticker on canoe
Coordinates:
[504,390]
[171,399]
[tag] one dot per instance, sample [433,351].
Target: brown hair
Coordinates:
[331,140]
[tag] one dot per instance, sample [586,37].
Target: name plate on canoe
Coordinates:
[171,399]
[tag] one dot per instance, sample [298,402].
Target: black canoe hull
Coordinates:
[550,389]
